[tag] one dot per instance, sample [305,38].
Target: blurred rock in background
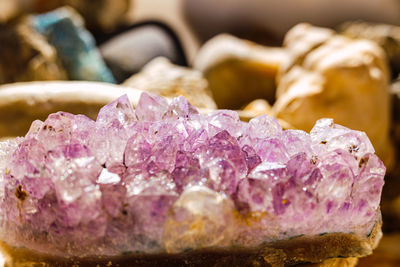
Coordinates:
[22,103]
[161,77]
[64,29]
[339,78]
[298,43]
[100,15]
[258,107]
[25,55]
[129,50]
[51,46]
[385,35]
[239,71]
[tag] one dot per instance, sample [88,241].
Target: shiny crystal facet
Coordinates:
[165,178]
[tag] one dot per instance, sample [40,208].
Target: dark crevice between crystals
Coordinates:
[20,193]
[362,162]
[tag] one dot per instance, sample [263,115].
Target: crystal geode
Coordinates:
[164,178]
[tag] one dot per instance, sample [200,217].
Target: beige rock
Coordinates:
[299,41]
[239,71]
[22,103]
[344,79]
[258,107]
[8,10]
[162,77]
[385,35]
[27,56]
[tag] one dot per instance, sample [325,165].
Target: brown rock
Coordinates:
[22,103]
[298,43]
[26,56]
[103,15]
[239,71]
[258,107]
[9,9]
[162,77]
[329,250]
[339,78]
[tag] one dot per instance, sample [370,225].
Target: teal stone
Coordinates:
[76,47]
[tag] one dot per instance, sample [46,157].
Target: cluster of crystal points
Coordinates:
[165,178]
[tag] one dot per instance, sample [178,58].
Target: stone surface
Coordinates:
[331,76]
[161,77]
[22,103]
[9,9]
[164,178]
[64,30]
[299,42]
[385,35]
[26,55]
[239,71]
[127,52]
[258,107]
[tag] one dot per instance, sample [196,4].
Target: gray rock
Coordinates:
[128,52]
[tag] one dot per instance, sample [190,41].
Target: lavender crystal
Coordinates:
[165,178]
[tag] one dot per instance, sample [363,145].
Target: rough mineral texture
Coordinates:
[331,76]
[164,178]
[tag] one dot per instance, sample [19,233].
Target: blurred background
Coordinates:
[297,60]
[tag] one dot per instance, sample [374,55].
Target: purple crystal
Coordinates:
[165,178]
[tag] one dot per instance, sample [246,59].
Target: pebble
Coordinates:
[239,71]
[127,52]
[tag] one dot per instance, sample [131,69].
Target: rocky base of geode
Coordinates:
[203,259]
[332,249]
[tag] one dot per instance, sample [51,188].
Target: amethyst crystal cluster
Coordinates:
[165,178]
